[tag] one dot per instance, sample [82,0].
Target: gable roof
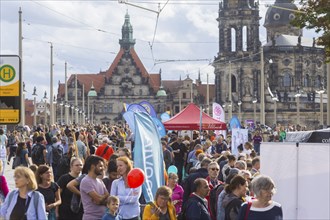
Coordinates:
[189,119]
[86,79]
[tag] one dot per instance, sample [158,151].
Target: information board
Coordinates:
[10,89]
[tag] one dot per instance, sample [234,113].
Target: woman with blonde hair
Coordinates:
[129,207]
[162,207]
[24,202]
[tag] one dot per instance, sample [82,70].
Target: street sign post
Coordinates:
[10,89]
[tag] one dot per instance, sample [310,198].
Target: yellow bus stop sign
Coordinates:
[10,89]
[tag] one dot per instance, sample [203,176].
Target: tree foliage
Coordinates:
[315,14]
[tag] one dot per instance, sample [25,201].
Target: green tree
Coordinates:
[315,14]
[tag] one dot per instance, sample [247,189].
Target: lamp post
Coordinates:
[91,94]
[45,99]
[23,106]
[297,95]
[61,110]
[66,97]
[275,99]
[320,92]
[254,102]
[239,109]
[35,106]
[72,110]
[54,109]
[262,87]
[51,110]
[229,93]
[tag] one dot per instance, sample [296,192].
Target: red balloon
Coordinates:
[135,178]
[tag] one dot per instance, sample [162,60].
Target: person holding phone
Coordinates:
[162,207]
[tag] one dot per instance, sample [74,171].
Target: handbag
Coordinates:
[75,203]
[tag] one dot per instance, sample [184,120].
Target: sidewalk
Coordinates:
[9,174]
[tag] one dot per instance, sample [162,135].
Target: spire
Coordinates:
[127,40]
[199,75]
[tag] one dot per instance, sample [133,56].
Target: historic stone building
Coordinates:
[126,81]
[294,67]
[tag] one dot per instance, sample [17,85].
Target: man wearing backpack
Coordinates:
[56,154]
[104,150]
[39,152]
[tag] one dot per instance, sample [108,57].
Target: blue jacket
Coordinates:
[196,209]
[36,209]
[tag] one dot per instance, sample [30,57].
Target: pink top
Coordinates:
[4,186]
[177,194]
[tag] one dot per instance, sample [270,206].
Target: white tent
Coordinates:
[301,175]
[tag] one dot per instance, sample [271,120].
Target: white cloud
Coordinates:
[72,27]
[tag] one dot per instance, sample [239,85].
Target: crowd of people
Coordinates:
[75,172]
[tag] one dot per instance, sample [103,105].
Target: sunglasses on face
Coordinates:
[213,169]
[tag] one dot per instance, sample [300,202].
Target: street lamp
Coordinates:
[54,109]
[61,109]
[254,101]
[35,106]
[239,103]
[275,99]
[72,110]
[92,93]
[45,99]
[320,92]
[23,106]
[297,95]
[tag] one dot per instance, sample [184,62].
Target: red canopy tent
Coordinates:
[189,119]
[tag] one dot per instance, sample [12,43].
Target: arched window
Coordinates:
[244,38]
[233,84]
[287,80]
[306,81]
[318,81]
[233,40]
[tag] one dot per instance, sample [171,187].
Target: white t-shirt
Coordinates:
[3,151]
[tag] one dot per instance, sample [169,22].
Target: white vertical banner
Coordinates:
[219,114]
[238,136]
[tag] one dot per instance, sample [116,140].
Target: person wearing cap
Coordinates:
[105,150]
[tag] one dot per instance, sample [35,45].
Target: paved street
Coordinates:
[9,174]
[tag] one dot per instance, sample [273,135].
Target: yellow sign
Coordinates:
[10,89]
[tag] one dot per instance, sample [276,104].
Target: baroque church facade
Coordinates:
[125,82]
[294,70]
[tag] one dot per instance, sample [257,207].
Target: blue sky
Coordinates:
[85,34]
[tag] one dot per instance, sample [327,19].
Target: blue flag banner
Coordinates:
[150,109]
[165,116]
[129,117]
[160,127]
[148,154]
[234,123]
[136,108]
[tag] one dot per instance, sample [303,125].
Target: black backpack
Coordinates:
[11,141]
[214,194]
[37,154]
[57,154]
[63,166]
